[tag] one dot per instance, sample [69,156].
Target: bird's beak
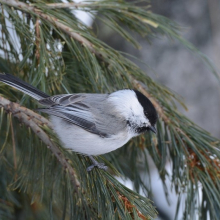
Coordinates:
[153,129]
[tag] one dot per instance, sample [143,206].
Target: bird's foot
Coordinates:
[96,164]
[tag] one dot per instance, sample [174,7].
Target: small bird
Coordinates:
[93,124]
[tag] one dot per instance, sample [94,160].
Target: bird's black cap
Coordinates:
[149,110]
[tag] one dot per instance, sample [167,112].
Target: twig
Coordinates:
[33,115]
[66,5]
[36,117]
[19,112]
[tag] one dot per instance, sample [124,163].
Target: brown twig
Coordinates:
[66,5]
[27,117]
[36,117]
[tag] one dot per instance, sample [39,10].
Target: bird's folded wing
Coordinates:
[62,99]
[77,114]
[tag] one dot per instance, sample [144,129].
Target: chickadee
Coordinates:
[93,124]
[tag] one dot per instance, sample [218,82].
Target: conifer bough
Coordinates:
[90,65]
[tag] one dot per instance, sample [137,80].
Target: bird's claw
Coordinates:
[99,165]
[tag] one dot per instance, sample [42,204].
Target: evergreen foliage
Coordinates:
[42,43]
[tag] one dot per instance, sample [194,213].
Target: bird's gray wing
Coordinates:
[74,109]
[62,99]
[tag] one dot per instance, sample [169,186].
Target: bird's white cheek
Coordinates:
[139,121]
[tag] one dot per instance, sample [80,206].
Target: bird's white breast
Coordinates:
[79,140]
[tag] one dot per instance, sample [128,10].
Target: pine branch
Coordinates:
[32,119]
[96,5]
[65,5]
[96,67]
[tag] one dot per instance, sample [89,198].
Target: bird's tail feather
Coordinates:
[22,86]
